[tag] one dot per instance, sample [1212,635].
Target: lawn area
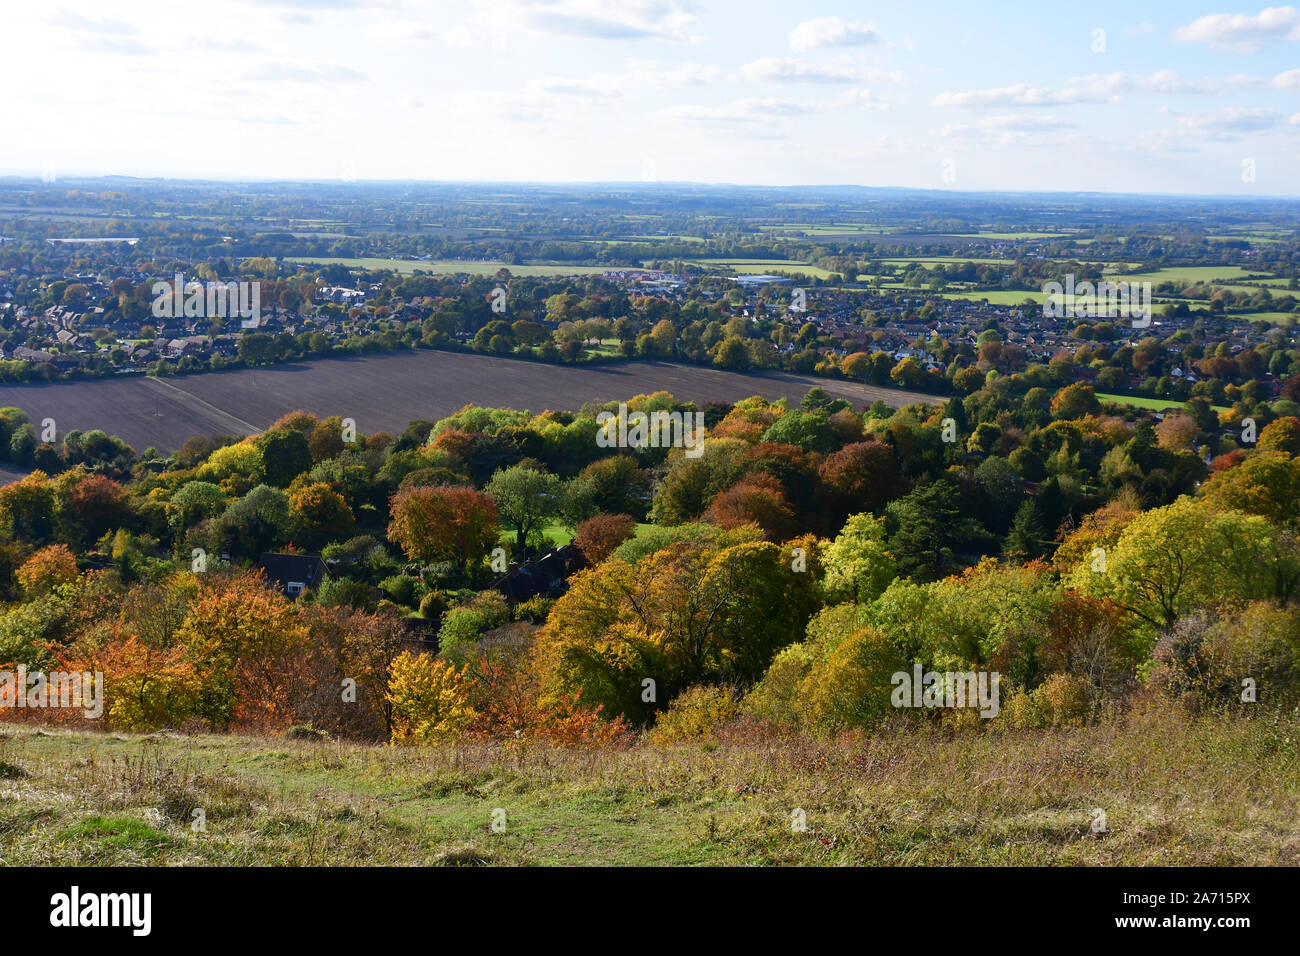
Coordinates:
[556,533]
[1155,404]
[1277,318]
[1175,790]
[994,296]
[762,266]
[1190,274]
[450,266]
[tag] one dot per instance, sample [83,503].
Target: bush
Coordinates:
[1063,700]
[401,588]
[430,699]
[695,713]
[433,605]
[462,626]
[535,609]
[852,688]
[1205,659]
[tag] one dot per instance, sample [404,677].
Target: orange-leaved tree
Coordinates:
[444,523]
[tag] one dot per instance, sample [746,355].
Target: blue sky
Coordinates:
[1117,97]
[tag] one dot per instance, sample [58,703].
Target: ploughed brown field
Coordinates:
[387,392]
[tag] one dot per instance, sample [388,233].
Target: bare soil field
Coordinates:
[387,392]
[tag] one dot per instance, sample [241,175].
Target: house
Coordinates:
[546,576]
[294,573]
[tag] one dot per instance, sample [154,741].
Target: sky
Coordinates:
[1141,97]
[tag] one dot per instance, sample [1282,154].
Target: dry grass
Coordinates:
[1174,790]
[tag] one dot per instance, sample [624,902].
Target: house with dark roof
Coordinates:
[294,573]
[546,575]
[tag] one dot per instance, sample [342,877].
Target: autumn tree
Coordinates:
[756,499]
[97,504]
[862,476]
[1265,484]
[319,513]
[46,568]
[249,648]
[284,456]
[1075,401]
[1172,559]
[600,534]
[447,523]
[1281,435]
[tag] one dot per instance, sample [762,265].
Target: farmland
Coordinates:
[450,266]
[385,392]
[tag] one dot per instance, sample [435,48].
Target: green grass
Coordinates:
[1277,318]
[994,296]
[1176,790]
[764,266]
[1190,274]
[557,534]
[1155,404]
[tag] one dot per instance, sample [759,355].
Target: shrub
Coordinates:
[430,699]
[462,626]
[695,713]
[535,609]
[852,687]
[1063,700]
[433,605]
[46,568]
[599,535]
[401,588]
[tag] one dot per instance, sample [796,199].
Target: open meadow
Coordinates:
[1173,791]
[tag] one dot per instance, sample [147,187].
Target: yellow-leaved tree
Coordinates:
[430,699]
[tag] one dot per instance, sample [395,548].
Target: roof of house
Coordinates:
[307,569]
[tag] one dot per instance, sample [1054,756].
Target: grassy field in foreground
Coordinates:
[1173,790]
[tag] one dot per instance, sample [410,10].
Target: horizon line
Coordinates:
[28,176]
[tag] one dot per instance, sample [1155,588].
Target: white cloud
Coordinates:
[304,73]
[1229,122]
[596,19]
[751,112]
[67,20]
[1240,31]
[1019,130]
[1021,94]
[859,99]
[831,31]
[1288,80]
[775,69]
[1093,88]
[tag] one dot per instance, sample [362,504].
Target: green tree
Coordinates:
[285,456]
[526,499]
[858,563]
